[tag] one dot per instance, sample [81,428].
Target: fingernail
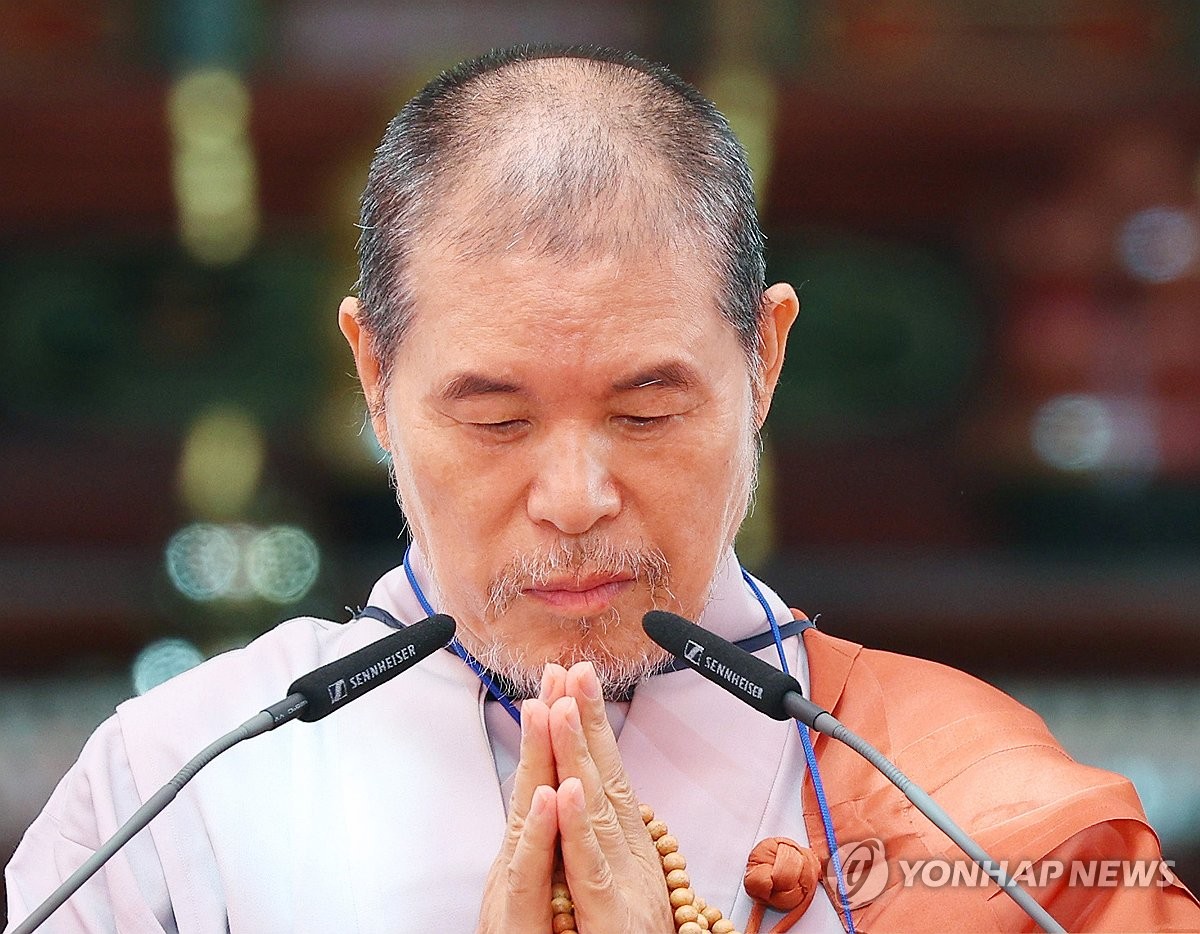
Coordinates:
[591,683]
[572,713]
[573,789]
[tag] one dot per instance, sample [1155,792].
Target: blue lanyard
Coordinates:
[805,742]
[456,646]
[811,758]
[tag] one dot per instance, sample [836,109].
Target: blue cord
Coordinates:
[457,648]
[811,758]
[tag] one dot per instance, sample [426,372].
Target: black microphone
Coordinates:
[768,690]
[332,686]
[779,695]
[310,697]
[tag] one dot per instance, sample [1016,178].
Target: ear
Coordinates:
[367,364]
[780,307]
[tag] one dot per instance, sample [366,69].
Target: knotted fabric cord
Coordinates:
[810,757]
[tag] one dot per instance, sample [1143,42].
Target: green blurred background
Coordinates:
[986,448]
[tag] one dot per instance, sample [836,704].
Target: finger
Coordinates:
[583,685]
[536,766]
[527,885]
[554,680]
[573,760]
[588,869]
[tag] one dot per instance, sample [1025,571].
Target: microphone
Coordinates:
[310,697]
[768,690]
[779,695]
[332,686]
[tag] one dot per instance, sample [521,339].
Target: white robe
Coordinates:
[385,817]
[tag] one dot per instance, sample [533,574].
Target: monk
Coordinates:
[568,347]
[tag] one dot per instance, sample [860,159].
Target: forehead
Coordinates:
[581,310]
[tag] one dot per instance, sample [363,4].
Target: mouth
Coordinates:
[580,597]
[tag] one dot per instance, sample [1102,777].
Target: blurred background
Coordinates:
[986,449]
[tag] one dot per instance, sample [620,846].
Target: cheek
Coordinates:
[690,495]
[448,489]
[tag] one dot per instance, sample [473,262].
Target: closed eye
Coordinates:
[506,428]
[644,422]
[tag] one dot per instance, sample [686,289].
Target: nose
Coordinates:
[573,487]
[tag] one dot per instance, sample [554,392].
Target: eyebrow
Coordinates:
[671,375]
[470,385]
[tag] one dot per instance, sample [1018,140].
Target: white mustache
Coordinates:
[590,556]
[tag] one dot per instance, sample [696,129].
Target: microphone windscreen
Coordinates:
[332,686]
[722,662]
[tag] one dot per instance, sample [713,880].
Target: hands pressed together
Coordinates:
[571,794]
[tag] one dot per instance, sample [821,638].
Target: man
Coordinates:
[566,347]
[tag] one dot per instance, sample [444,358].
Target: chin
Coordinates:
[622,654]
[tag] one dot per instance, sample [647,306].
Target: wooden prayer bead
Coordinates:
[691,914]
[678,879]
[673,861]
[563,922]
[682,897]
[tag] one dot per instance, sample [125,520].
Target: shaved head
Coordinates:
[562,155]
[561,152]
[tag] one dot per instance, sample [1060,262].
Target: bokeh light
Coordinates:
[1073,432]
[1080,432]
[162,660]
[222,462]
[282,563]
[209,562]
[202,561]
[1159,244]
[216,186]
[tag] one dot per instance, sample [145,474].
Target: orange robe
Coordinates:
[995,768]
